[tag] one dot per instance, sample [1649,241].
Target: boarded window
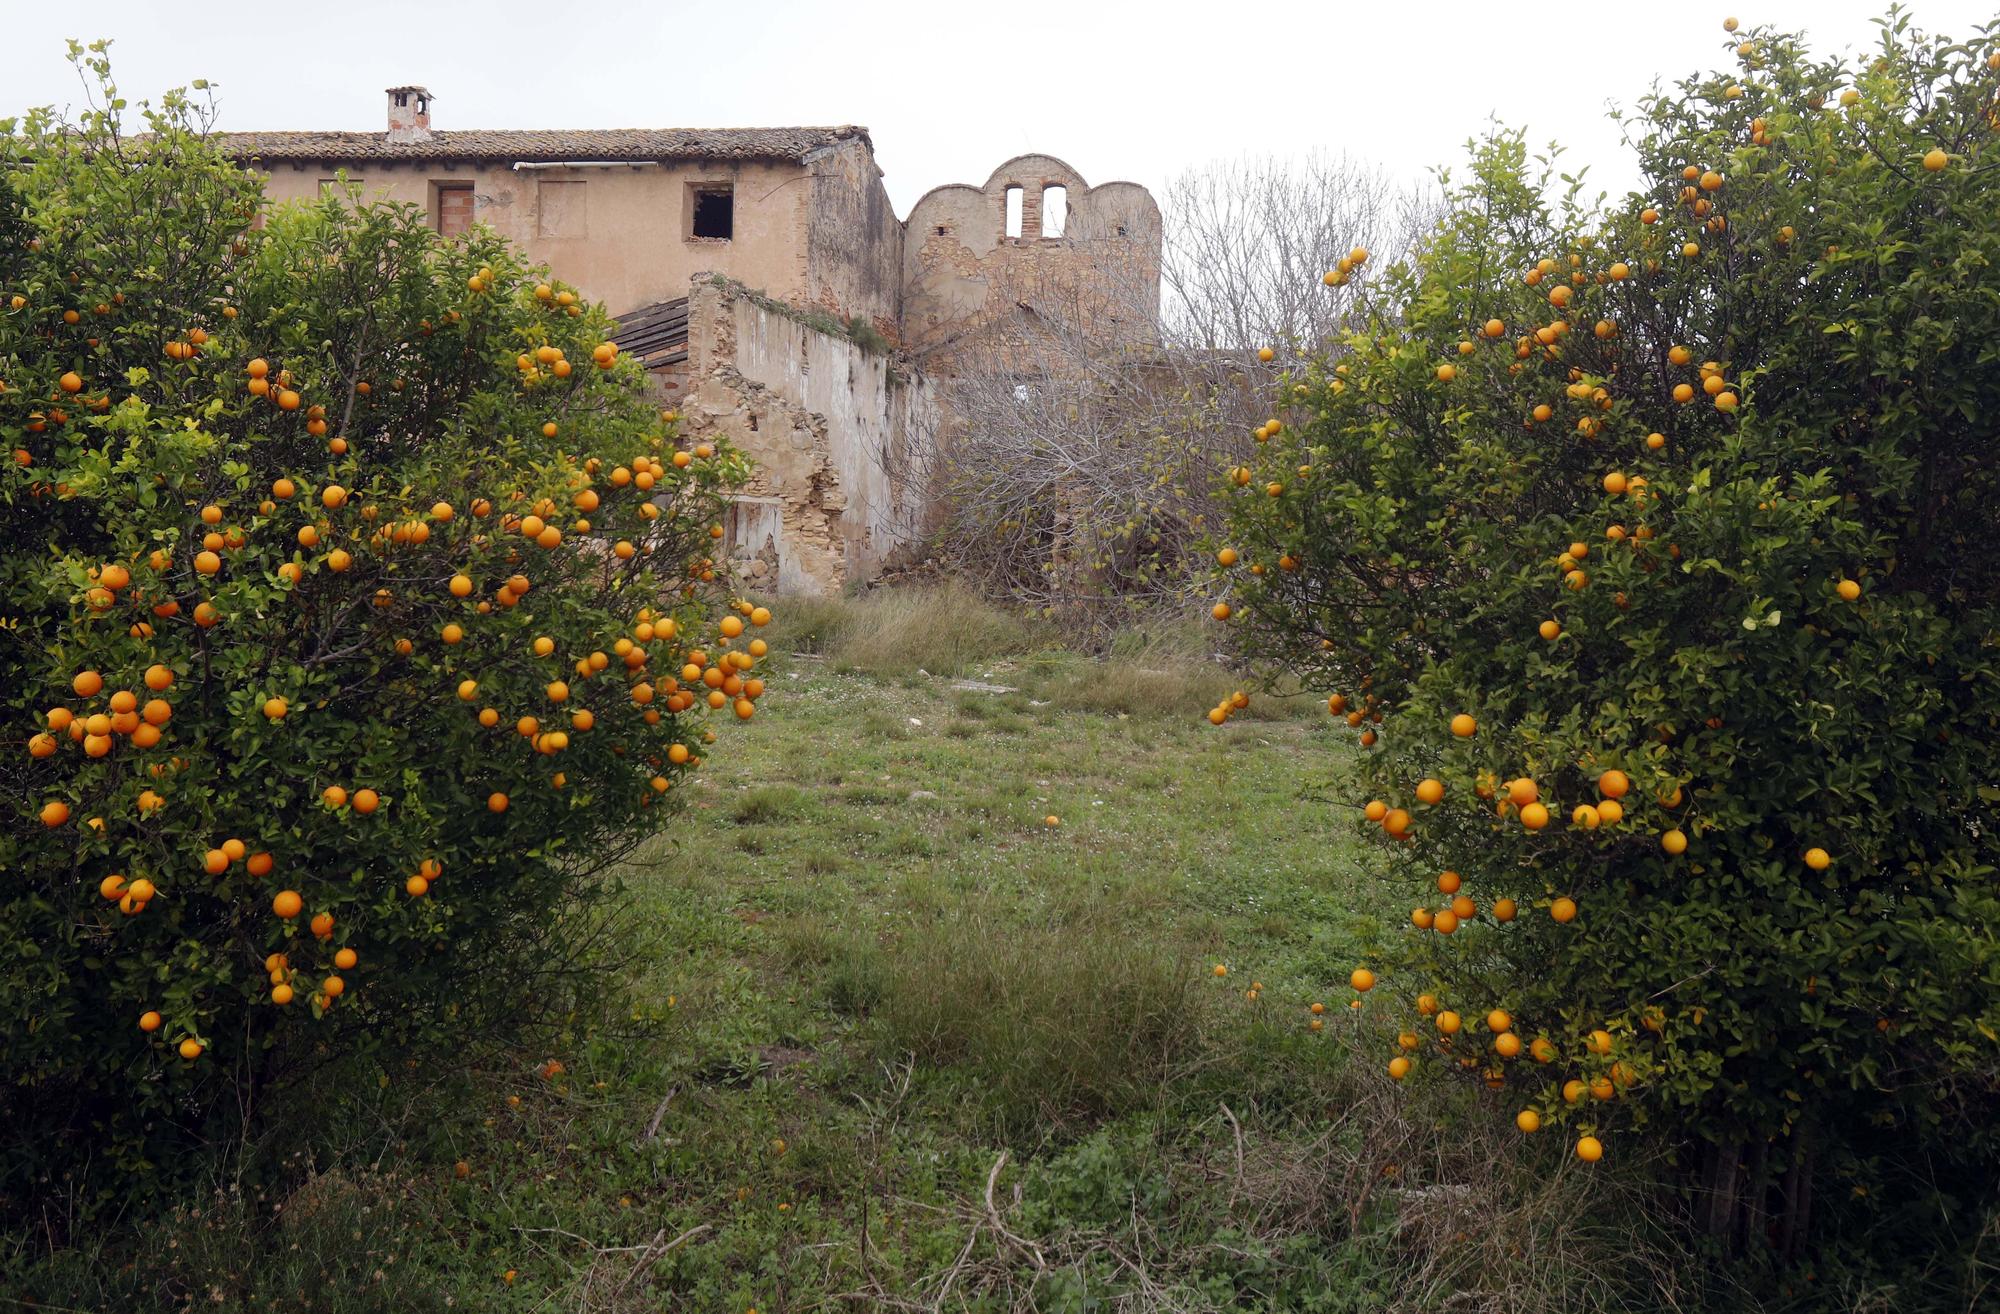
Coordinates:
[1014,202]
[560,209]
[454,208]
[713,213]
[1055,210]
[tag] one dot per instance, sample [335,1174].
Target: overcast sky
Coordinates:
[949,90]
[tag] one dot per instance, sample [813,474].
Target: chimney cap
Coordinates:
[412,90]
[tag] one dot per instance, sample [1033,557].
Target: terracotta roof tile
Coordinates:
[543,146]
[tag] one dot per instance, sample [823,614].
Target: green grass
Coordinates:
[862,982]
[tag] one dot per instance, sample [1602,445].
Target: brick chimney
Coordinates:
[409,115]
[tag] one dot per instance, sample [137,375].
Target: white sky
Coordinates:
[948,89]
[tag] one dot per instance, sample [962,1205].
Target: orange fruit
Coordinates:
[1430,791]
[287,904]
[1563,909]
[1589,1149]
[1362,980]
[1818,859]
[366,801]
[1464,726]
[149,1021]
[1528,1120]
[190,1049]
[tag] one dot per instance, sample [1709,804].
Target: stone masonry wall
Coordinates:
[966,281]
[834,430]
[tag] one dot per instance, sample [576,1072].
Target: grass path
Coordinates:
[863,966]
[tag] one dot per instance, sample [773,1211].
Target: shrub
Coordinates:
[319,725]
[1659,537]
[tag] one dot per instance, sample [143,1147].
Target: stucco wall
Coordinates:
[832,428]
[623,238]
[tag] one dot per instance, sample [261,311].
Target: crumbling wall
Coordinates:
[835,431]
[853,240]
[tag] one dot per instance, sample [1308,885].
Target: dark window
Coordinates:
[454,208]
[942,230]
[714,213]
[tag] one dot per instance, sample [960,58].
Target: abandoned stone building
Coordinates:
[765,280]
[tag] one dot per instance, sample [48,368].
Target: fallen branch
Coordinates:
[652,1251]
[1000,1231]
[653,1127]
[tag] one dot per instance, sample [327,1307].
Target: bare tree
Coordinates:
[1249,240]
[1087,436]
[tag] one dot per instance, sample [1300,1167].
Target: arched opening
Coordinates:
[1014,204]
[1055,209]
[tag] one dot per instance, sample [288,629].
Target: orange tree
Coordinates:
[357,611]
[1655,545]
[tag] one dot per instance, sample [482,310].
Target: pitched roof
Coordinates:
[545,146]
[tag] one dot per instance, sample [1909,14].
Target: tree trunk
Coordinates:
[1757,1198]
[1793,1226]
[1718,1214]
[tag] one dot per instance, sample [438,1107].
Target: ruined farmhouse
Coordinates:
[763,277]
